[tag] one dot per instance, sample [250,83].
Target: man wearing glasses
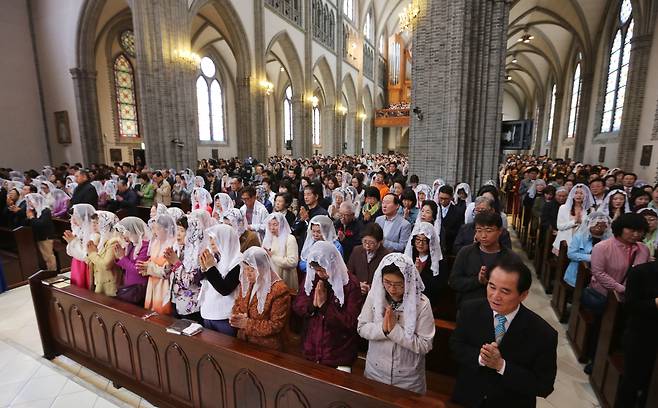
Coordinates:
[348,229]
[366,257]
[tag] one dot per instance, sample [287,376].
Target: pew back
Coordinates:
[19,255]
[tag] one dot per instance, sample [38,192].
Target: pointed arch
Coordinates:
[290,60]
[322,71]
[350,92]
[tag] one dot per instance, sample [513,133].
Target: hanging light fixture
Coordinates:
[526,37]
[514,59]
[408,16]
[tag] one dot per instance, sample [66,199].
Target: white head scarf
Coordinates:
[427,230]
[436,186]
[235,220]
[60,197]
[413,289]
[135,231]
[106,220]
[593,219]
[228,243]
[132,179]
[467,190]
[328,233]
[606,201]
[198,221]
[284,231]
[175,212]
[98,186]
[587,200]
[257,258]
[328,257]
[225,204]
[36,202]
[532,191]
[199,182]
[200,197]
[422,188]
[81,223]
[51,187]
[164,235]
[111,189]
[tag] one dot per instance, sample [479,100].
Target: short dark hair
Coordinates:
[408,194]
[159,173]
[447,189]
[33,189]
[631,174]
[396,199]
[315,188]
[372,192]
[373,230]
[512,264]
[182,222]
[414,179]
[532,170]
[596,180]
[488,219]
[250,190]
[433,206]
[632,221]
[287,197]
[123,180]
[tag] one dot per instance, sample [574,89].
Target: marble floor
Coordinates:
[27,380]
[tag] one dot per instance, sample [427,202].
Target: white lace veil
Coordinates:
[413,289]
[228,243]
[81,224]
[164,235]
[235,220]
[106,221]
[175,212]
[284,231]
[427,230]
[328,233]
[328,257]
[221,204]
[200,197]
[467,190]
[257,258]
[198,221]
[111,189]
[587,200]
[606,201]
[135,231]
[36,202]
[422,188]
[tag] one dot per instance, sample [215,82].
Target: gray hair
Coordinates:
[484,200]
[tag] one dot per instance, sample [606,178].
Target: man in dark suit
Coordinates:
[506,353]
[366,257]
[84,193]
[452,217]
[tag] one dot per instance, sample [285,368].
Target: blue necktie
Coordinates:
[500,328]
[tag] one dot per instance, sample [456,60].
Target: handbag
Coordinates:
[134,294]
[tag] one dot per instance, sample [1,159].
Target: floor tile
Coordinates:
[84,399]
[41,388]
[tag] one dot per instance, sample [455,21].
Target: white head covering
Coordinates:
[228,243]
[592,219]
[413,289]
[436,186]
[606,201]
[132,179]
[200,197]
[257,258]
[189,182]
[236,221]
[164,235]
[98,186]
[587,199]
[328,257]
[81,223]
[135,230]
[199,182]
[198,221]
[225,204]
[176,212]
[467,190]
[334,195]
[106,220]
[284,231]
[36,202]
[426,229]
[532,191]
[111,189]
[51,187]
[422,188]
[60,196]
[328,233]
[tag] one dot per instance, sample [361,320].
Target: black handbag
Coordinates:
[134,294]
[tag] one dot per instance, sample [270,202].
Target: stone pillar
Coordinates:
[166,83]
[255,141]
[328,131]
[586,91]
[458,67]
[86,101]
[379,141]
[298,126]
[339,119]
[557,123]
[351,132]
[637,81]
[539,131]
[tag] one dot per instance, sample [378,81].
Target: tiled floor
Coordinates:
[27,380]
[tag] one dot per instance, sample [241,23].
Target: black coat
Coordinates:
[530,351]
[450,227]
[466,236]
[42,227]
[84,193]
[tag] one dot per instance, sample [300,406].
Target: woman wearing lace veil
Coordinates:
[158,291]
[262,305]
[424,248]
[282,248]
[320,228]
[572,214]
[135,236]
[397,321]
[76,248]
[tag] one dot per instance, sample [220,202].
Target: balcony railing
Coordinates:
[395,117]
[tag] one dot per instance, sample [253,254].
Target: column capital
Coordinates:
[81,73]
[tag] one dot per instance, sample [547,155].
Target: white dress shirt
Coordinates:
[510,316]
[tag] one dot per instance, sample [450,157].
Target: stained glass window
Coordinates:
[620,58]
[316,125]
[127,42]
[287,114]
[210,103]
[551,115]
[124,88]
[575,100]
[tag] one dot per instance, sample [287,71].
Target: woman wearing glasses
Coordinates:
[397,321]
[365,258]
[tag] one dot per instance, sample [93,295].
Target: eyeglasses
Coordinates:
[394,285]
[368,242]
[421,241]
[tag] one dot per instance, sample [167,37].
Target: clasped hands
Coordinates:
[388,324]
[320,294]
[238,320]
[490,356]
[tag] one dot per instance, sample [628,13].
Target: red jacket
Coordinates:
[331,337]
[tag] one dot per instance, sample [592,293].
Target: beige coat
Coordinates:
[285,264]
[163,194]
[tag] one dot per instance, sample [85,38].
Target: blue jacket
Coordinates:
[302,262]
[580,250]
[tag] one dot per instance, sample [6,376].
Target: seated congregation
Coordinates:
[353,264]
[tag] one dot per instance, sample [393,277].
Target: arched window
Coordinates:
[367,26]
[551,115]
[620,58]
[124,91]
[316,125]
[210,103]
[575,99]
[348,9]
[381,45]
[287,114]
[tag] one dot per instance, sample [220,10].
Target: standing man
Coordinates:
[234,191]
[253,212]
[162,189]
[84,193]
[506,353]
[452,218]
[396,229]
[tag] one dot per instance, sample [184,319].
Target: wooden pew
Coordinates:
[551,265]
[531,239]
[20,257]
[561,290]
[544,243]
[118,341]
[439,359]
[580,320]
[609,360]
[63,259]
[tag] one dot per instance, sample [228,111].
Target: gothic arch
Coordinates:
[290,61]
[326,79]
[350,93]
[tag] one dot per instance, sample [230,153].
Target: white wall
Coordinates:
[511,109]
[22,133]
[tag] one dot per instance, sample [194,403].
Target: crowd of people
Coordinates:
[609,219]
[355,246]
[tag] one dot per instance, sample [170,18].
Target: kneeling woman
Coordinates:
[397,321]
[262,304]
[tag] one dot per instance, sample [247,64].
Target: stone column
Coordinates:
[298,126]
[539,131]
[458,67]
[379,141]
[339,134]
[166,83]
[351,132]
[328,131]
[557,122]
[637,81]
[86,101]
[255,143]
[586,91]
